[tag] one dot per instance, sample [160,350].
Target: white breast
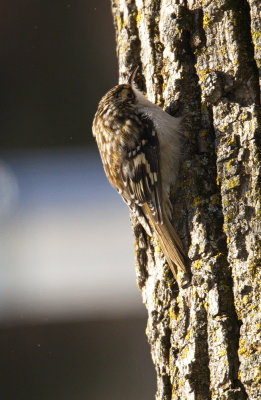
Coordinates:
[169,134]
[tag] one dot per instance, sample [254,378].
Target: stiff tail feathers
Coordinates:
[170,243]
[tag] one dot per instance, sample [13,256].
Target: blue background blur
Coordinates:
[71,318]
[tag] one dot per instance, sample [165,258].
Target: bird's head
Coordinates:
[122,95]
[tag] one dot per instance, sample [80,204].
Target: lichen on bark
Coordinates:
[201,58]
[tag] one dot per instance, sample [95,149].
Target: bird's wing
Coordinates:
[140,170]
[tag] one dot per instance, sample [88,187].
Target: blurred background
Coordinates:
[72,321]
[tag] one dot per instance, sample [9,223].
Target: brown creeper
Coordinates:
[139,145]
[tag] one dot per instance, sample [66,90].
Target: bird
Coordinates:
[140,148]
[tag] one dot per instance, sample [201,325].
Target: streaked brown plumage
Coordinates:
[139,146]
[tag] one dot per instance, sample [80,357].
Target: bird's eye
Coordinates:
[125,94]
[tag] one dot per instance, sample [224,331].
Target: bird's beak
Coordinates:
[133,75]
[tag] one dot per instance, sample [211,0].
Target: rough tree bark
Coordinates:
[201,57]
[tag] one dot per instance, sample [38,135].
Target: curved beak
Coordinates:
[133,75]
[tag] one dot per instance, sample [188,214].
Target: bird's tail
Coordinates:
[170,243]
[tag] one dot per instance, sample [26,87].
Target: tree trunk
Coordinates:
[200,58]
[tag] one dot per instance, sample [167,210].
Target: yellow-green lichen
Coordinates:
[203,105]
[226,202]
[227,217]
[253,268]
[218,255]
[245,299]
[232,182]
[196,201]
[214,337]
[243,116]
[157,249]
[255,35]
[203,132]
[197,264]
[184,352]
[180,383]
[187,337]
[215,199]
[222,352]
[202,73]
[243,352]
[138,17]
[206,20]
[120,23]
[231,141]
[222,128]
[222,50]
[228,165]
[173,315]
